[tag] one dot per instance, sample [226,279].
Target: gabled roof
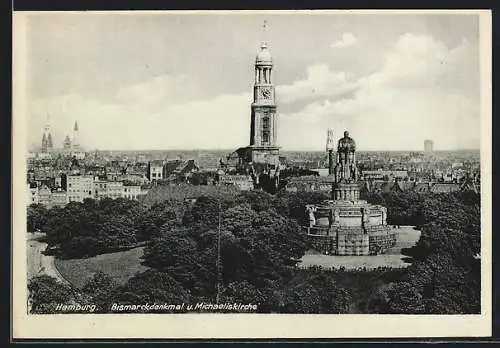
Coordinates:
[156,163]
[44,187]
[422,187]
[310,178]
[444,188]
[405,185]
[468,185]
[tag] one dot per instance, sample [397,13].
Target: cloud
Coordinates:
[422,90]
[139,118]
[320,81]
[165,88]
[347,39]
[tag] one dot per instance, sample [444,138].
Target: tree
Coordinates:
[46,293]
[303,298]
[176,253]
[103,290]
[246,293]
[150,222]
[404,299]
[37,216]
[152,287]
[206,210]
[297,202]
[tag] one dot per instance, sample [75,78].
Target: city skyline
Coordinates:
[138,82]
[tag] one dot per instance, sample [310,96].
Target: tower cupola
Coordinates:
[264,57]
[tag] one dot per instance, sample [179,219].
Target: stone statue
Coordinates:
[346,144]
[312,219]
[336,216]
[345,170]
[354,172]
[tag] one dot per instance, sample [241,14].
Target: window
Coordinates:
[265,122]
[265,137]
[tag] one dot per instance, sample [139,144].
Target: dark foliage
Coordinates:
[260,244]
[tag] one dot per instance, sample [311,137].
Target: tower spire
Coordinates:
[47,122]
[47,137]
[329,150]
[264,37]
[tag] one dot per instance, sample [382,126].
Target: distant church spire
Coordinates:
[76,141]
[47,144]
[67,143]
[329,149]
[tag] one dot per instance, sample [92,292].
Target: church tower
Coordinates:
[67,144]
[260,160]
[263,131]
[47,145]
[75,142]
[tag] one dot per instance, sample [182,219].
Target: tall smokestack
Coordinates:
[329,149]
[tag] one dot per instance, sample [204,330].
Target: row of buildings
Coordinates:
[324,184]
[58,181]
[77,188]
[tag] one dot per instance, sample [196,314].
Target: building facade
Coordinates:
[155,171]
[79,187]
[59,198]
[32,194]
[114,189]
[131,191]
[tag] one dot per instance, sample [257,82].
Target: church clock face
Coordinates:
[266,94]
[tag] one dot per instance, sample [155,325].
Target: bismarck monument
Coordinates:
[347,225]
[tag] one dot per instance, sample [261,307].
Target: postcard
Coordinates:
[251,174]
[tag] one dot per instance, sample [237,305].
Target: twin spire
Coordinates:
[47,143]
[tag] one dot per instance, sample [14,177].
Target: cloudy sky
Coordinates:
[183,81]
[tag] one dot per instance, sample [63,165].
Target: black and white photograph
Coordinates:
[253,164]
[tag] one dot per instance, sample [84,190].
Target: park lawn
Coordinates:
[120,265]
